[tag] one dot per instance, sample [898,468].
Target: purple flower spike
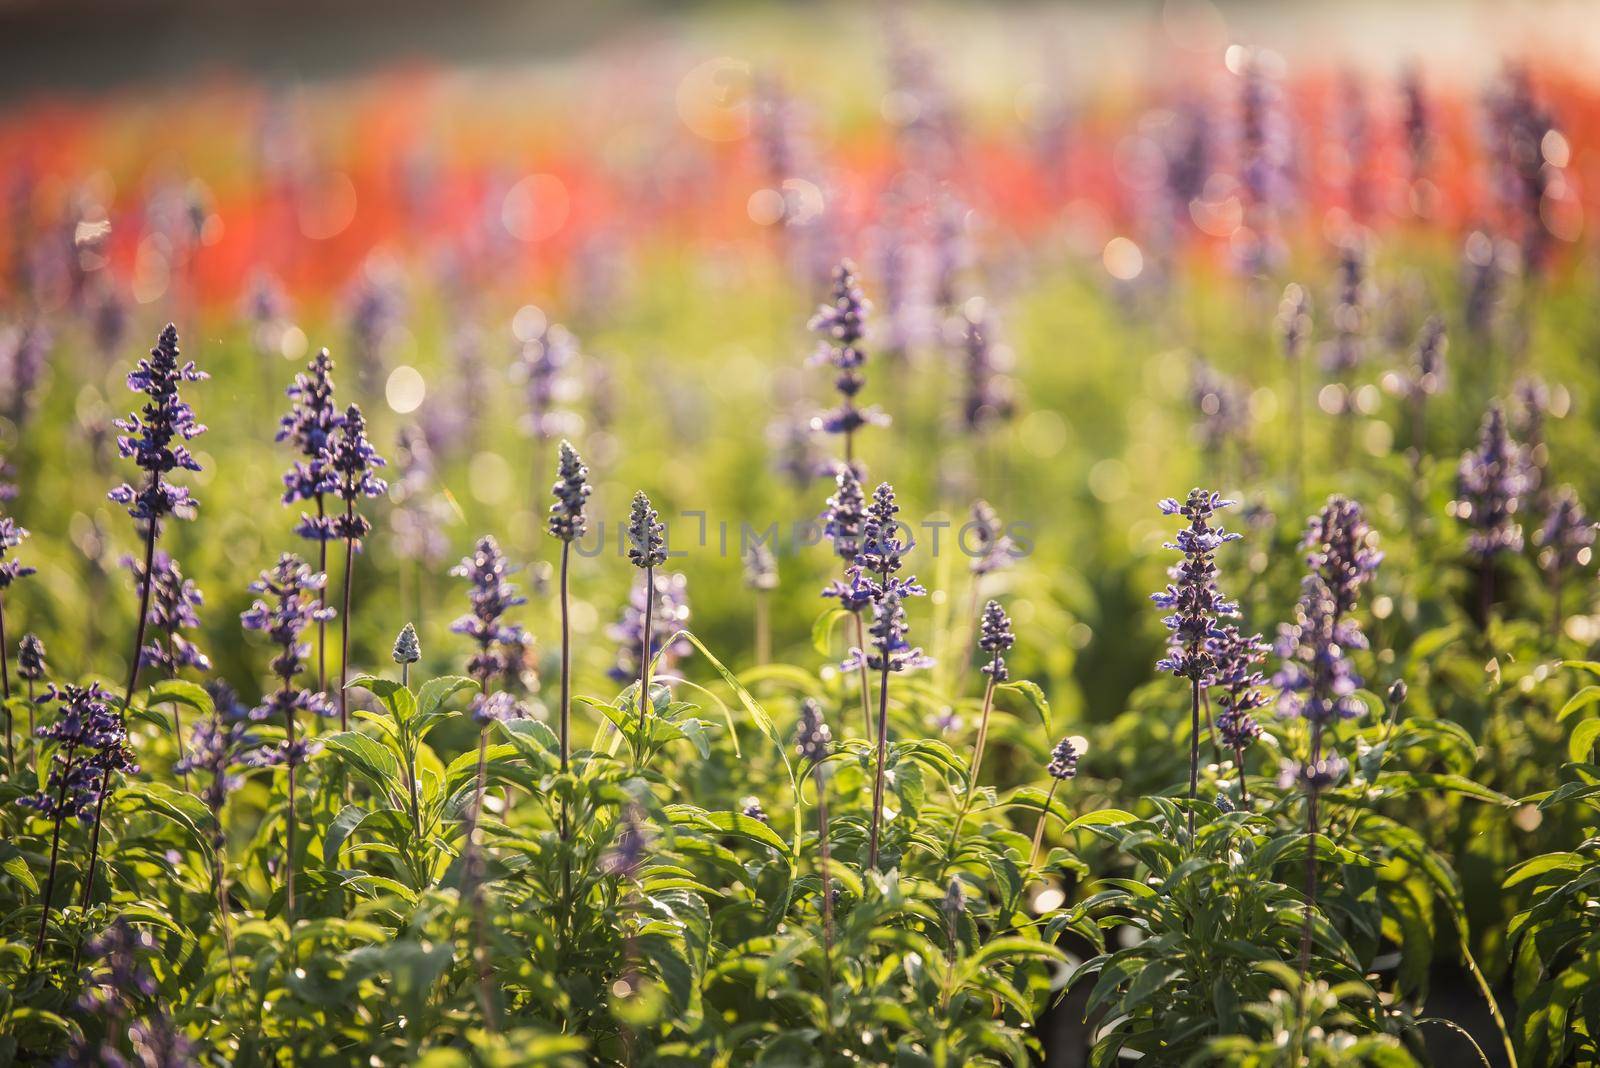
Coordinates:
[841,323]
[311,423]
[155,436]
[173,600]
[11,536]
[1192,599]
[286,604]
[353,460]
[491,595]
[1490,484]
[669,615]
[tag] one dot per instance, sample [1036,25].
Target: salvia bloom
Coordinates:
[841,323]
[353,460]
[882,549]
[1313,775]
[498,707]
[286,604]
[1427,367]
[1348,348]
[846,514]
[1192,599]
[90,743]
[571,491]
[1063,760]
[173,600]
[540,366]
[995,638]
[11,536]
[890,649]
[1316,680]
[30,659]
[991,549]
[1341,548]
[491,595]
[628,849]
[407,649]
[647,543]
[120,992]
[217,747]
[988,398]
[1222,407]
[812,737]
[1238,683]
[1567,536]
[670,615]
[760,567]
[1489,487]
[416,518]
[753,809]
[1294,320]
[156,436]
[310,425]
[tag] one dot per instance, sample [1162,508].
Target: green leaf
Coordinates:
[435,692]
[181,692]
[747,827]
[1578,701]
[1035,697]
[348,819]
[1581,744]
[822,629]
[366,757]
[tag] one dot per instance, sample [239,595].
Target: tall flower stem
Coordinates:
[1311,854]
[763,629]
[480,949]
[566,712]
[644,657]
[977,764]
[878,770]
[344,623]
[5,690]
[289,816]
[55,856]
[824,861]
[127,697]
[866,682]
[322,599]
[1044,817]
[1244,788]
[1194,754]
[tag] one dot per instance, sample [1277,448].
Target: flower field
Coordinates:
[809,539]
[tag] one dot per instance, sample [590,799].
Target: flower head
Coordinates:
[1063,760]
[353,460]
[890,650]
[845,515]
[753,809]
[498,707]
[760,567]
[1490,484]
[543,361]
[490,594]
[173,600]
[11,536]
[571,490]
[1316,680]
[407,649]
[1566,539]
[287,603]
[994,638]
[992,549]
[1238,682]
[882,549]
[90,742]
[812,737]
[841,325]
[156,436]
[669,616]
[1427,366]
[1313,775]
[1294,320]
[988,398]
[30,658]
[310,425]
[628,849]
[1192,600]
[1342,549]
[647,544]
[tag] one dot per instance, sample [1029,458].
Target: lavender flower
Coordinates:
[1239,686]
[760,568]
[882,551]
[794,450]
[375,307]
[841,325]
[1192,598]
[669,615]
[1417,123]
[571,491]
[993,550]
[498,707]
[812,737]
[155,437]
[1263,163]
[1223,408]
[24,356]
[1347,351]
[545,357]
[1489,487]
[416,517]
[1294,320]
[353,460]
[173,600]
[1063,761]
[490,596]
[1521,129]
[846,514]
[988,398]
[647,545]
[627,852]
[1342,550]
[1484,268]
[217,747]
[407,649]
[1313,776]
[112,995]
[890,651]
[753,809]
[311,424]
[30,659]
[1426,375]
[285,605]
[11,536]
[89,738]
[995,638]
[1567,535]
[1316,681]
